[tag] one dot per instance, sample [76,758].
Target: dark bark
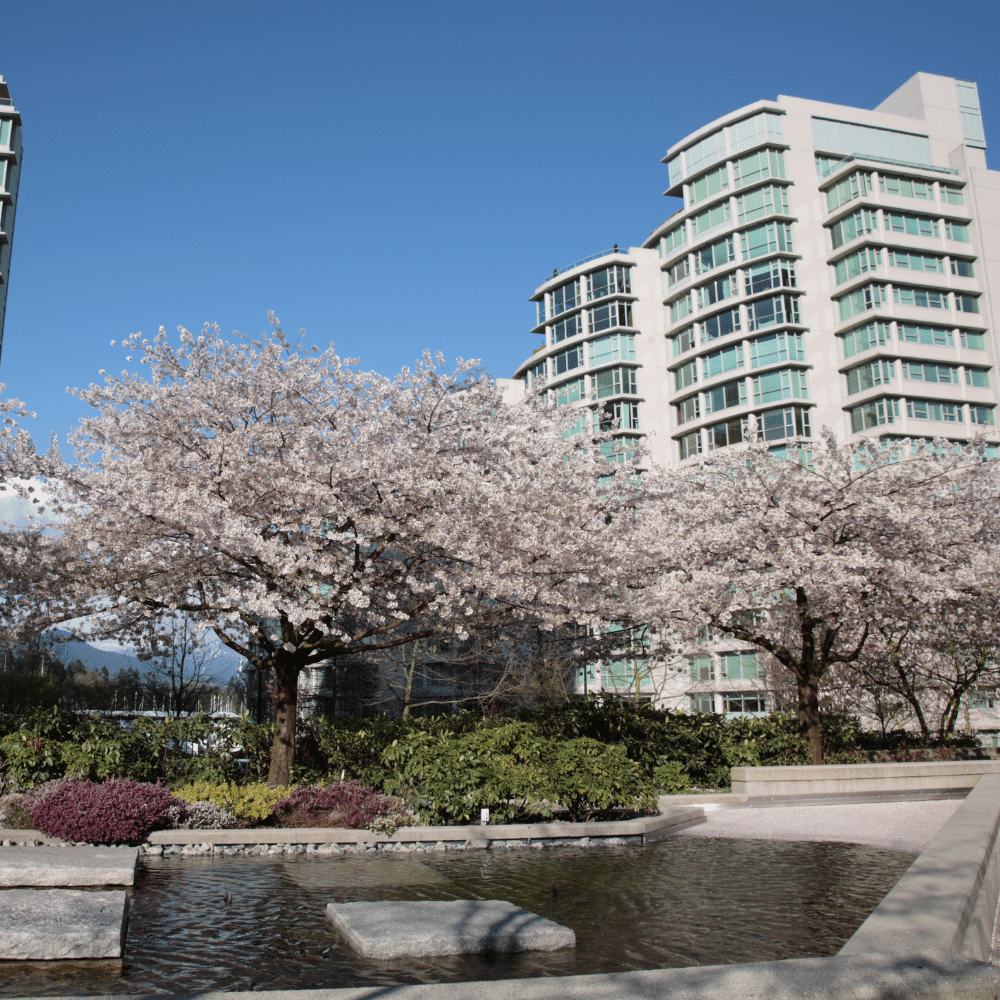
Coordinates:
[286,676]
[810,727]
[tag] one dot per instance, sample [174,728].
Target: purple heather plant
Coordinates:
[119,811]
[346,804]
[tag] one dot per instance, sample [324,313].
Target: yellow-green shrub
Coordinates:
[248,803]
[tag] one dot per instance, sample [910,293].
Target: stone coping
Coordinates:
[949,894]
[49,866]
[649,828]
[834,779]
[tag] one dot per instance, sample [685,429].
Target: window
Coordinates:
[685,375]
[852,226]
[680,308]
[567,328]
[703,154]
[541,311]
[856,185]
[726,360]
[952,195]
[974,341]
[717,215]
[616,416]
[711,184]
[679,271]
[916,261]
[861,300]
[620,450]
[740,666]
[534,374]
[982,415]
[863,337]
[926,371]
[717,291]
[720,325]
[703,703]
[772,274]
[575,423]
[772,312]
[613,314]
[967,303]
[907,187]
[763,127]
[870,375]
[702,668]
[714,256]
[826,165]
[925,298]
[614,382]
[724,396]
[567,360]
[683,341]
[926,409]
[792,421]
[745,704]
[672,240]
[963,268]
[758,166]
[956,231]
[874,413]
[865,260]
[977,377]
[869,140]
[688,410]
[5,132]
[725,434]
[774,348]
[609,281]
[926,335]
[689,445]
[565,298]
[770,200]
[613,347]
[914,225]
[568,392]
[786,383]
[766,239]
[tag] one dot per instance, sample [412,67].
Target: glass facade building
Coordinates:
[10,175]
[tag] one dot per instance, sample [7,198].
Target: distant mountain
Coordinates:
[221,662]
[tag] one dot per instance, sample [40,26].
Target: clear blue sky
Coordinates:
[390,176]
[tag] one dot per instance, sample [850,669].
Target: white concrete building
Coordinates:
[830,267]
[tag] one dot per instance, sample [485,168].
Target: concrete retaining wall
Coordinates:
[855,779]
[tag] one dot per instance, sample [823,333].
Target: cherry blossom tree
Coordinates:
[302,509]
[808,557]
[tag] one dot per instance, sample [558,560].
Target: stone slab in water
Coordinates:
[466,926]
[43,924]
[67,866]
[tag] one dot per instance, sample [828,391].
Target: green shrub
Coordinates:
[671,778]
[251,804]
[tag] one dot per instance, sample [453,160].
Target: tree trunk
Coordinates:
[808,718]
[286,677]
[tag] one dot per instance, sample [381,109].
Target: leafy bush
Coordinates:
[670,777]
[346,804]
[13,815]
[252,805]
[115,812]
[185,815]
[514,773]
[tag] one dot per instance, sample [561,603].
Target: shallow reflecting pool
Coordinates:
[680,902]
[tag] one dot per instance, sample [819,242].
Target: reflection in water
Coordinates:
[679,902]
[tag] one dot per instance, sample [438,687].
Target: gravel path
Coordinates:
[894,826]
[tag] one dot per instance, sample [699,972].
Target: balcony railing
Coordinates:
[556,271]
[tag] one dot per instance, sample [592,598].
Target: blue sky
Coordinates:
[389,176]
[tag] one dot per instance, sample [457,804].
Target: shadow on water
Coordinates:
[239,923]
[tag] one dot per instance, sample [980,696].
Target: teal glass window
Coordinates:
[723,435]
[785,383]
[974,341]
[916,261]
[977,377]
[761,202]
[565,297]
[689,445]
[772,312]
[775,348]
[610,315]
[717,291]
[714,255]
[609,281]
[726,360]
[856,185]
[758,166]
[710,184]
[912,225]
[727,395]
[869,375]
[771,274]
[685,375]
[865,260]
[874,413]
[861,300]
[791,421]
[963,268]
[982,415]
[567,328]
[683,341]
[614,382]
[712,217]
[672,240]
[923,298]
[766,239]
[926,371]
[849,228]
[927,409]
[720,325]
[567,360]
[967,303]
[864,337]
[613,347]
[740,666]
[907,187]
[688,410]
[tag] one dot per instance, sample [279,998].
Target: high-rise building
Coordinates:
[830,266]
[10,175]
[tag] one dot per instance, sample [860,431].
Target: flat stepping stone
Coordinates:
[459,927]
[43,924]
[67,866]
